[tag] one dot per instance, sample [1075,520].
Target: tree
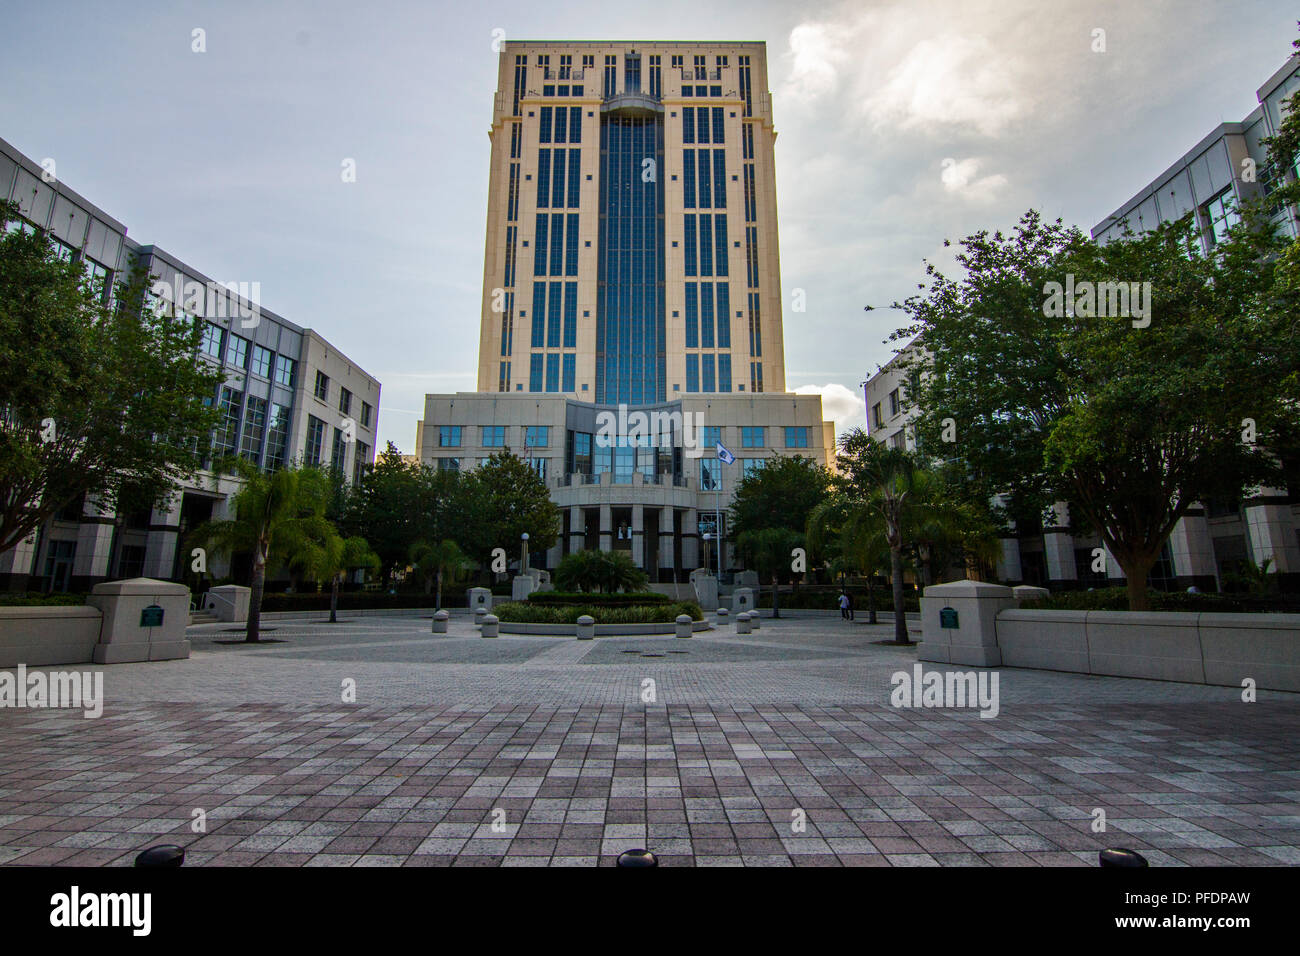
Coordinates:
[385,508]
[504,498]
[287,506]
[850,539]
[768,551]
[314,547]
[434,561]
[99,394]
[781,494]
[1126,418]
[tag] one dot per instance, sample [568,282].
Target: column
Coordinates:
[18,564]
[667,537]
[1009,560]
[606,528]
[164,539]
[691,540]
[638,536]
[94,546]
[1271,531]
[577,529]
[1193,551]
[1058,549]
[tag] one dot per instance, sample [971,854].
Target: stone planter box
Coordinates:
[1265,647]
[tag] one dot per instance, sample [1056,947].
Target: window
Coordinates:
[539,466]
[894,403]
[322,386]
[286,371]
[261,362]
[227,434]
[796,436]
[877,416]
[449,436]
[366,412]
[449,464]
[751,436]
[345,401]
[749,466]
[897,439]
[211,343]
[315,440]
[250,446]
[237,351]
[360,462]
[494,436]
[277,436]
[709,474]
[1223,215]
[339,453]
[710,436]
[537,436]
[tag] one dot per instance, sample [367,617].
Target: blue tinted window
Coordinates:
[720,245]
[688,244]
[692,315]
[724,315]
[535,372]
[557,244]
[707,382]
[543,178]
[557,178]
[570,316]
[706,245]
[724,373]
[688,178]
[719,179]
[692,373]
[570,361]
[575,119]
[574,179]
[704,190]
[718,132]
[561,124]
[544,131]
[539,314]
[553,316]
[796,436]
[539,245]
[688,123]
[706,316]
[553,372]
[571,246]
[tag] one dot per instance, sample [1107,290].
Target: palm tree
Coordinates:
[267,508]
[853,538]
[433,561]
[320,553]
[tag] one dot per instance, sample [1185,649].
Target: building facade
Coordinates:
[288,396]
[1227,167]
[631,263]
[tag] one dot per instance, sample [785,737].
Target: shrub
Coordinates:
[598,599]
[36,599]
[607,571]
[358,601]
[821,598]
[1116,599]
[520,612]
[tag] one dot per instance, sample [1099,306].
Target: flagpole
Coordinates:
[717,516]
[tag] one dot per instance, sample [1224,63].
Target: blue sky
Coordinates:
[900,124]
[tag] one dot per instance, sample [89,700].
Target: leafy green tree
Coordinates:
[851,540]
[434,562]
[323,555]
[781,494]
[282,507]
[768,551]
[98,395]
[1129,419]
[503,499]
[385,506]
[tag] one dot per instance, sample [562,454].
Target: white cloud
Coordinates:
[846,408]
[816,54]
[959,177]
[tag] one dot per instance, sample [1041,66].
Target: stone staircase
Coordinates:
[203,617]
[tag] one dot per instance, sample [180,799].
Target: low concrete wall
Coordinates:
[111,628]
[40,636]
[1198,648]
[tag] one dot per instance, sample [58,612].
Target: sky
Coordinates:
[900,124]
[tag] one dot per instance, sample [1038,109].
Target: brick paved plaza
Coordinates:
[747,735]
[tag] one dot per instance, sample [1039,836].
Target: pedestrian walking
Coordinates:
[844,606]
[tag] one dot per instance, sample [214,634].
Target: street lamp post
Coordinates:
[707,538]
[523,559]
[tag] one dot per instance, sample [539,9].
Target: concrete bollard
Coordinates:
[479,614]
[586,627]
[491,625]
[684,625]
[440,622]
[742,622]
[753,619]
[723,616]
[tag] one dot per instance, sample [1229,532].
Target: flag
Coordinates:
[725,456]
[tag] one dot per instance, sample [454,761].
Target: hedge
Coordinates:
[359,601]
[828,599]
[520,612]
[1116,599]
[632,599]
[35,599]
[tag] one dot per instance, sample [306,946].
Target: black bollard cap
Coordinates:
[1121,857]
[164,855]
[637,858]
